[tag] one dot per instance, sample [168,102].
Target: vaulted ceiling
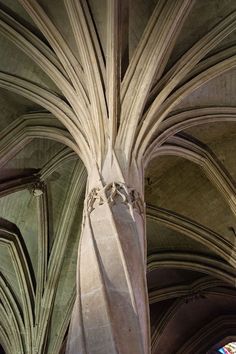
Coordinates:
[190,173]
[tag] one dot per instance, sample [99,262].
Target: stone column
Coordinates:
[111,309]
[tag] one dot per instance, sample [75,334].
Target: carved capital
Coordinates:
[114,193]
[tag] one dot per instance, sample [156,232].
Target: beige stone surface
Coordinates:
[108,105]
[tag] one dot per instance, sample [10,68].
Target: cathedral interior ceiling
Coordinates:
[188,150]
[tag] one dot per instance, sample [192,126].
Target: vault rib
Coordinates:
[188,61]
[197,153]
[153,118]
[57,42]
[166,18]
[86,42]
[51,102]
[193,230]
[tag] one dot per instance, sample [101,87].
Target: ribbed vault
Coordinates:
[149,85]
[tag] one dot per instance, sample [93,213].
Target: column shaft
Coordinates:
[111,309]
